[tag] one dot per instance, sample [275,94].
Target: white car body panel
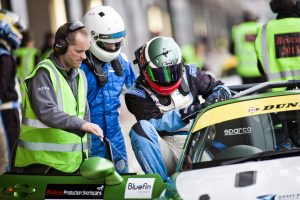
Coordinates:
[277,179]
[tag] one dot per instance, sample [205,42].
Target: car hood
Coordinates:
[272,179]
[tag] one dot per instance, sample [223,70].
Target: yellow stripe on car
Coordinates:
[247,108]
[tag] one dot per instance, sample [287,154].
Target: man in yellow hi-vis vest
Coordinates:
[243,37]
[54,126]
[278,42]
[27,57]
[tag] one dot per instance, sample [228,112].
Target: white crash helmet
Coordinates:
[105,26]
[17,21]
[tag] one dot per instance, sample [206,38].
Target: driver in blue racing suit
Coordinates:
[164,100]
[107,71]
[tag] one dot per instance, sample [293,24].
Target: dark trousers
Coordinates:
[11,121]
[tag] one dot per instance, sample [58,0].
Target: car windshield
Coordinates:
[243,137]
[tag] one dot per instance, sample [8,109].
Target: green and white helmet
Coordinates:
[160,62]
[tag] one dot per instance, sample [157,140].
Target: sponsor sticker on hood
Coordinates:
[139,188]
[74,191]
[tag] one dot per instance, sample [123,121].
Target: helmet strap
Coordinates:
[117,67]
[97,70]
[184,88]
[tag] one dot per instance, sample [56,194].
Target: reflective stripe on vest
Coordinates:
[34,146]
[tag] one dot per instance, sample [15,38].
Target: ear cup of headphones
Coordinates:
[61,46]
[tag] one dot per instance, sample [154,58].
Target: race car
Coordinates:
[247,147]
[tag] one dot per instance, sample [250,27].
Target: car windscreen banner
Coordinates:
[247,108]
[74,191]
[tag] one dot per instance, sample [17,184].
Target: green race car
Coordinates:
[247,147]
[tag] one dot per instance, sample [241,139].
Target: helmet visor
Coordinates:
[165,76]
[110,47]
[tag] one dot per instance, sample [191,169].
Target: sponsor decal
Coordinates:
[139,188]
[280,106]
[253,109]
[250,37]
[275,106]
[237,131]
[43,88]
[266,197]
[137,92]
[111,69]
[168,63]
[74,191]
[287,45]
[279,197]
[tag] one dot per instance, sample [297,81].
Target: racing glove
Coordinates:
[220,93]
[189,112]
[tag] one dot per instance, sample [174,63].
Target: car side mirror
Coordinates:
[97,167]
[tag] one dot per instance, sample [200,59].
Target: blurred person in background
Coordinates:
[164,101]
[107,71]
[278,42]
[27,57]
[220,61]
[242,46]
[55,123]
[47,45]
[195,53]
[11,26]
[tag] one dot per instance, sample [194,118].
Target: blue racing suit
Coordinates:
[158,136]
[104,103]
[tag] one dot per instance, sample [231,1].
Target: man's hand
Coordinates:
[189,112]
[92,128]
[220,93]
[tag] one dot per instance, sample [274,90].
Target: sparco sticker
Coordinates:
[74,191]
[137,188]
[237,131]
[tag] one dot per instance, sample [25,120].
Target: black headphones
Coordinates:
[61,43]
